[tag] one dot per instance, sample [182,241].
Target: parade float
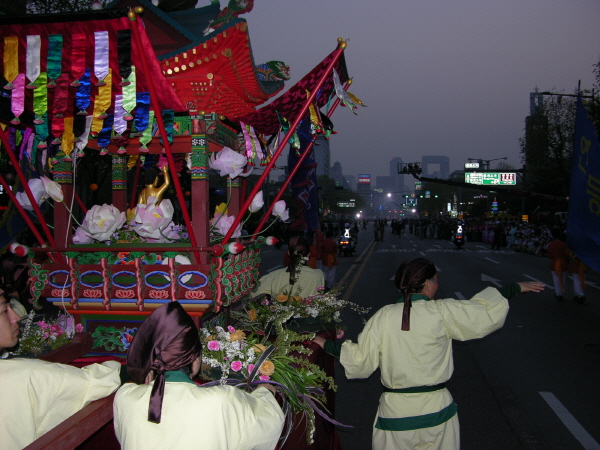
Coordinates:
[109,84]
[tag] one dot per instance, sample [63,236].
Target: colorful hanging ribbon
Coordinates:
[54,64]
[124,52]
[129,97]
[101,58]
[78,48]
[68,136]
[32,58]
[17,103]
[105,134]
[120,125]
[11,60]
[251,142]
[142,112]
[40,98]
[41,131]
[146,136]
[101,105]
[168,116]
[84,89]
[61,96]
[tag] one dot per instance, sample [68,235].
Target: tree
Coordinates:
[548,146]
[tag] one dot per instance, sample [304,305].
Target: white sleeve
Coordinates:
[474,318]
[263,429]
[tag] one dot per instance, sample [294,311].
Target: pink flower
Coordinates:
[280,211]
[340,334]
[264,377]
[78,328]
[231,329]
[250,368]
[151,219]
[222,225]
[214,346]
[236,366]
[229,162]
[257,202]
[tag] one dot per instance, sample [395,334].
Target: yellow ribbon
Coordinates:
[68,136]
[11,58]
[101,104]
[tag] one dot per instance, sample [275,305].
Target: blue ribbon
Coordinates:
[82,97]
[142,111]
[106,132]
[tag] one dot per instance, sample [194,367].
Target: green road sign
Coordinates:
[491,178]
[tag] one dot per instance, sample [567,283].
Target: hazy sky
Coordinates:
[440,77]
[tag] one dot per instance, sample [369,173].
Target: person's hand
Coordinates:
[531,286]
[319,341]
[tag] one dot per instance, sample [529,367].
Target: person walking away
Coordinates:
[578,269]
[558,253]
[411,343]
[376,229]
[328,251]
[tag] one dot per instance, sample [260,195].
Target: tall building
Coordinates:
[436,166]
[394,182]
[322,156]
[336,174]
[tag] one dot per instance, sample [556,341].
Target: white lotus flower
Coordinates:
[280,211]
[53,189]
[257,202]
[38,191]
[99,224]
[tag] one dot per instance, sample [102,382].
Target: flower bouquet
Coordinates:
[284,311]
[246,361]
[45,335]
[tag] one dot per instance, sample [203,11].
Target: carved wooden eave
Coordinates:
[218,74]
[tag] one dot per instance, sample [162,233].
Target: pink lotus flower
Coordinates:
[151,220]
[214,346]
[222,225]
[53,189]
[229,162]
[236,366]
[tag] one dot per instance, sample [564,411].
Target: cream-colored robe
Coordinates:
[36,396]
[193,417]
[278,281]
[420,357]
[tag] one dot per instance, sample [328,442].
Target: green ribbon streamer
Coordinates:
[54,69]
[129,95]
[40,97]
[146,136]
[41,133]
[168,116]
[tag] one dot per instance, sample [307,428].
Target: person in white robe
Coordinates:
[411,343]
[164,408]
[36,396]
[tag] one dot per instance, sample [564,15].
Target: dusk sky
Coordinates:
[440,77]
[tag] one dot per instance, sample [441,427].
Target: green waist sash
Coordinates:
[417,422]
[415,389]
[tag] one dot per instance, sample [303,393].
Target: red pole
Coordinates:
[292,129]
[23,213]
[161,126]
[21,176]
[294,171]
[79,202]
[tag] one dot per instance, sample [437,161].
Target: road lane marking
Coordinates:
[490,259]
[539,281]
[437,268]
[348,291]
[274,268]
[495,281]
[459,296]
[580,433]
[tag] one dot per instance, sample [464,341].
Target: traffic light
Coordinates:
[409,168]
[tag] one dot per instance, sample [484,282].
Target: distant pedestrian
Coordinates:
[578,269]
[328,251]
[558,253]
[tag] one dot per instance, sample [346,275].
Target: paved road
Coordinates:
[532,385]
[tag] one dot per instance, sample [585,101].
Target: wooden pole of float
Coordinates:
[294,170]
[34,204]
[337,54]
[136,180]
[134,22]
